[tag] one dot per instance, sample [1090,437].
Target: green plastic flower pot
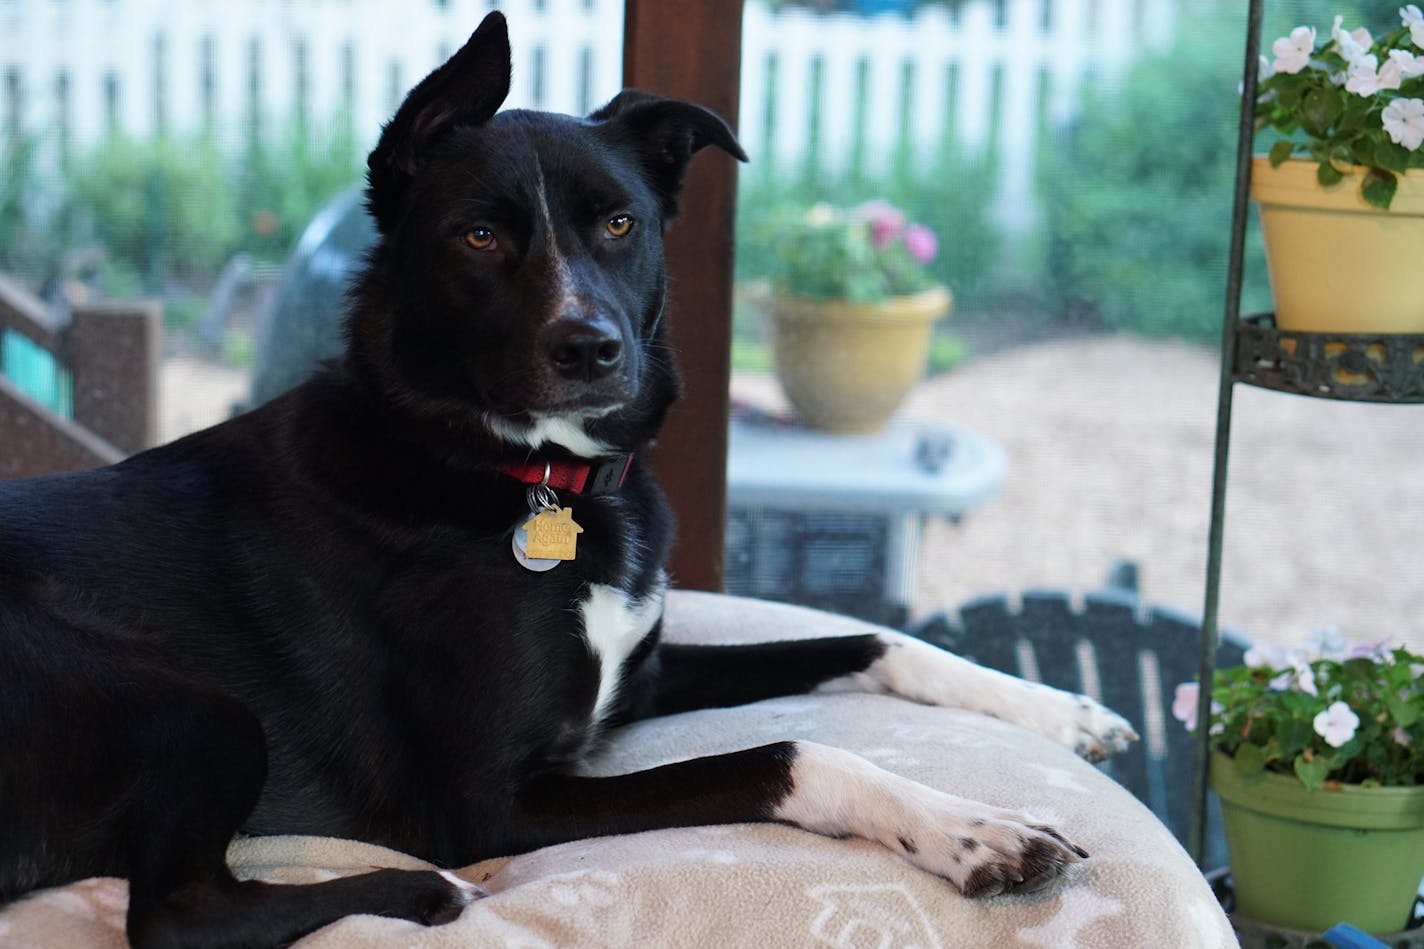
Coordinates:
[1311,859]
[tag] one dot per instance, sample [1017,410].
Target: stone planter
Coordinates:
[847,366]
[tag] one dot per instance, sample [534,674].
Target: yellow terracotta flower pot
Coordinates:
[1337,264]
[847,366]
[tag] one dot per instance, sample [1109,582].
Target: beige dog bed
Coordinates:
[762,885]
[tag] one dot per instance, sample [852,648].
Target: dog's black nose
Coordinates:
[582,349]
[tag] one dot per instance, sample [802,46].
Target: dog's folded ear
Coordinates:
[666,133]
[466,90]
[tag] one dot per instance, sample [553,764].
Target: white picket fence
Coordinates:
[855,90]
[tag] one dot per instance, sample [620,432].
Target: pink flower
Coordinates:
[1401,737]
[1184,704]
[887,222]
[920,242]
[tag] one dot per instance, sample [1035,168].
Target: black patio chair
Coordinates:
[1117,650]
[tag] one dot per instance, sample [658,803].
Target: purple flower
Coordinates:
[920,242]
[1378,652]
[886,221]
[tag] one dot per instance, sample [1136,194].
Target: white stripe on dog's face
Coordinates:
[561,276]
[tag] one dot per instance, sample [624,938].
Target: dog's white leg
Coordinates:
[918,671]
[983,850]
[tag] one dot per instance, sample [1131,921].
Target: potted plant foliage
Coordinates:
[1317,755]
[1341,191]
[851,308]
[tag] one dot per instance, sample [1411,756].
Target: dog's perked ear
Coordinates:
[466,90]
[666,133]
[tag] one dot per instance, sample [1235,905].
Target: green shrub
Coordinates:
[1138,193]
[27,246]
[160,209]
[168,213]
[281,187]
[1139,197]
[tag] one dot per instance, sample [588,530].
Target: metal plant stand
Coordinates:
[1363,367]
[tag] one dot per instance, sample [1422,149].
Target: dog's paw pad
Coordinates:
[1099,732]
[1026,859]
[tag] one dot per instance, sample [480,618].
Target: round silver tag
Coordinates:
[537,564]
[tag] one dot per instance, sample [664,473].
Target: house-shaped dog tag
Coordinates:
[552,534]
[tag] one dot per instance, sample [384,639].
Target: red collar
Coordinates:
[602,476]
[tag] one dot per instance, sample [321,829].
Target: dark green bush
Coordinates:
[1138,197]
[1138,192]
[27,246]
[168,213]
[162,209]
[281,187]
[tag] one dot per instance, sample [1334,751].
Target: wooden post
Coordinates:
[692,50]
[113,356]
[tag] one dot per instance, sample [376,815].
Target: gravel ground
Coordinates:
[1110,443]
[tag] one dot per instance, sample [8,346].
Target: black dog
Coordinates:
[327,616]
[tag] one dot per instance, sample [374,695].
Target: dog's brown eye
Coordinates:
[481,238]
[619,225]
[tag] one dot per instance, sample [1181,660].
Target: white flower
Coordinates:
[1293,52]
[1413,19]
[822,215]
[1266,654]
[1299,676]
[1404,121]
[1351,45]
[1326,643]
[1337,724]
[1401,737]
[1410,65]
[1266,71]
[1367,76]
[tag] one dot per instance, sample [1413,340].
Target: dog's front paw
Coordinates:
[983,850]
[993,853]
[924,673]
[1091,729]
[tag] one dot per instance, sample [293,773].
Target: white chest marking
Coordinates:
[614,623]
[564,431]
